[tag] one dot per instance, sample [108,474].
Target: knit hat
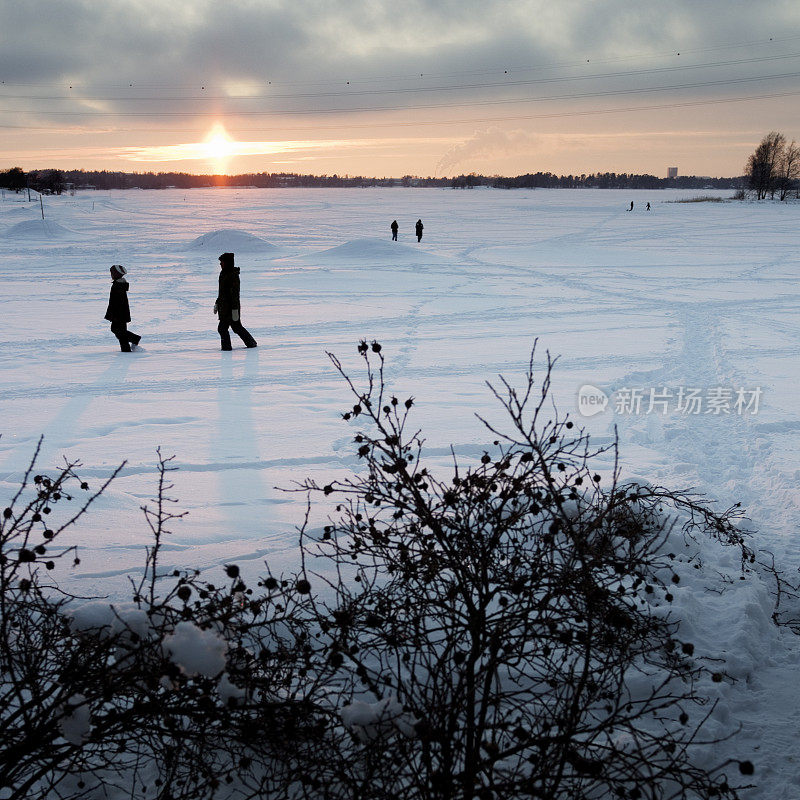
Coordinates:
[117,271]
[226,259]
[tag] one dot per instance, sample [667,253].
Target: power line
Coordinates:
[413,89]
[475,120]
[771,41]
[427,106]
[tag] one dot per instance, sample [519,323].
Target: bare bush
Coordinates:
[190,689]
[503,632]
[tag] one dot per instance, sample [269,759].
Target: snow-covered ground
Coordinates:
[687,296]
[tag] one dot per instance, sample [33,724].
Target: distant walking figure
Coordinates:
[631,208]
[118,312]
[418,227]
[394,226]
[648,206]
[228,306]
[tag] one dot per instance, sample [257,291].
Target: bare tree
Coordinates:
[763,166]
[788,169]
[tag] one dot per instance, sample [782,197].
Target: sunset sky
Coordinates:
[369,87]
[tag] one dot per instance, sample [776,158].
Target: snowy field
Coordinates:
[689,300]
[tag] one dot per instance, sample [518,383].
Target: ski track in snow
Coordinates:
[688,295]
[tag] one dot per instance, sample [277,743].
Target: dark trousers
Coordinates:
[394,236]
[126,337]
[238,329]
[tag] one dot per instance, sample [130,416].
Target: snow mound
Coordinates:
[230,240]
[38,229]
[376,251]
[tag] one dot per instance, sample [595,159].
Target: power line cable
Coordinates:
[473,120]
[426,106]
[771,41]
[410,90]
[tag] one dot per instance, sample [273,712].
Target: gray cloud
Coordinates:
[168,51]
[200,40]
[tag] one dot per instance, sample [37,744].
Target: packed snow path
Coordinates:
[701,296]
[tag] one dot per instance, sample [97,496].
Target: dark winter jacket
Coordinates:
[228,298]
[118,309]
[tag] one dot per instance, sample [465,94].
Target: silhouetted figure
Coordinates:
[648,206]
[631,208]
[418,227]
[394,226]
[228,306]
[118,312]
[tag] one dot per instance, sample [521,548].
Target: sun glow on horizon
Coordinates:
[219,146]
[218,149]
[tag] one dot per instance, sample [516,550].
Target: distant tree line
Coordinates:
[46,181]
[54,181]
[613,180]
[774,167]
[14,179]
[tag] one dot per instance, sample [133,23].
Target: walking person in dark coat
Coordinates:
[118,312]
[228,306]
[394,226]
[418,227]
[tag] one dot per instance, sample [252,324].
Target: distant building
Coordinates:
[672,172]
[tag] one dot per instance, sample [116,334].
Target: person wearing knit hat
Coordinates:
[228,306]
[118,312]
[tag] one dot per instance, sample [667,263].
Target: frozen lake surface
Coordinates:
[689,297]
